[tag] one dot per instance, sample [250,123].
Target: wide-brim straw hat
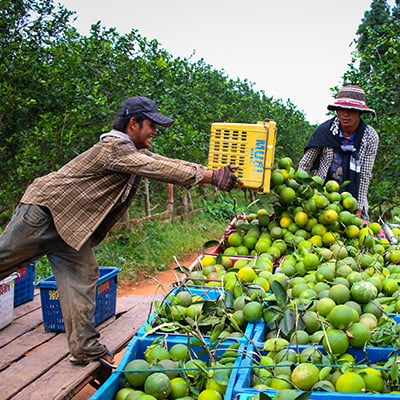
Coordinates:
[351,97]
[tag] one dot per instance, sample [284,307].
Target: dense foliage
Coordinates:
[376,68]
[59,90]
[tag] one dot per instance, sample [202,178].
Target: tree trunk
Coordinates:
[185,205]
[147,196]
[170,199]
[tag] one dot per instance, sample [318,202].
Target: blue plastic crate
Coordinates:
[261,330]
[136,348]
[242,387]
[24,289]
[207,293]
[106,299]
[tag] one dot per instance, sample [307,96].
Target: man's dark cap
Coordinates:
[142,105]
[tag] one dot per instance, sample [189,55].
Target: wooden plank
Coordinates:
[22,345]
[27,307]
[18,375]
[17,348]
[60,382]
[20,326]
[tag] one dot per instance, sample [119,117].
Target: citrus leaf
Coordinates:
[288,322]
[324,372]
[279,291]
[215,334]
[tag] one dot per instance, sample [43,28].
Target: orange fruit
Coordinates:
[331,216]
[234,239]
[350,203]
[301,219]
[332,186]
[252,311]
[350,382]
[305,376]
[335,342]
[360,334]
[179,388]
[341,316]
[247,274]
[158,385]
[179,352]
[209,394]
[287,195]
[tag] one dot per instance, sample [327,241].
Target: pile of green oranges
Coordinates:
[288,370]
[176,373]
[340,278]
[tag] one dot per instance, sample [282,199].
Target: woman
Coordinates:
[344,147]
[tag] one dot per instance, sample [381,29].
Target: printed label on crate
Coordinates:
[257,156]
[103,287]
[6,288]
[54,295]
[22,273]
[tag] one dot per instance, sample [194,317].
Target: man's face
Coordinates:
[143,135]
[349,119]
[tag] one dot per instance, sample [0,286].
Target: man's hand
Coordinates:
[224,178]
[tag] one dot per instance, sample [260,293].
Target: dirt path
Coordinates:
[159,283]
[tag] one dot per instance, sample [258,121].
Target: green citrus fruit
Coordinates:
[247,274]
[234,239]
[373,379]
[363,292]
[179,352]
[209,394]
[123,393]
[360,334]
[252,311]
[183,298]
[136,379]
[158,385]
[335,342]
[339,293]
[350,382]
[179,388]
[324,306]
[168,365]
[341,316]
[287,194]
[305,376]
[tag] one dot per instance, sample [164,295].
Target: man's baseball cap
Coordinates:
[142,105]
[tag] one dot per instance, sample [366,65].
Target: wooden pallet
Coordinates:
[34,364]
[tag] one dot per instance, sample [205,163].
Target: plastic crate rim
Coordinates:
[106,273]
[9,278]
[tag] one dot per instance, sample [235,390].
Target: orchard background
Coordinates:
[60,89]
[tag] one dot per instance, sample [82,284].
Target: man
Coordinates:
[67,212]
[344,147]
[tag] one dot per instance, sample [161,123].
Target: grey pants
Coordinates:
[30,235]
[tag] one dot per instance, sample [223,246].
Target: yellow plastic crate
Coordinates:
[249,146]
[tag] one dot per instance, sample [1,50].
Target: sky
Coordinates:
[292,50]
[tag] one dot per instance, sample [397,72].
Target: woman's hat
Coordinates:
[351,97]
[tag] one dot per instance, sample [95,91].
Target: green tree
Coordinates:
[59,90]
[378,77]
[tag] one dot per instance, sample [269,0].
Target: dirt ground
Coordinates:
[144,286]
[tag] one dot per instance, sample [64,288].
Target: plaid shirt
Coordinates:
[367,153]
[90,193]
